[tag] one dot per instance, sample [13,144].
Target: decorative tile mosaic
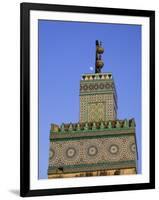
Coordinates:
[92,151]
[97,107]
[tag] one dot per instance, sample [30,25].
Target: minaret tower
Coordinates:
[98,144]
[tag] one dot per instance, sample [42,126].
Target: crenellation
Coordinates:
[103,125]
[102,76]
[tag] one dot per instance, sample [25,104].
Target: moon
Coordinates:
[91,68]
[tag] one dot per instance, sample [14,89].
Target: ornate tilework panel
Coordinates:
[101,104]
[55,151]
[96,112]
[94,151]
[71,152]
[96,86]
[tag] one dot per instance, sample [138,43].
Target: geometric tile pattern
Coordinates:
[92,151]
[90,103]
[91,87]
[96,111]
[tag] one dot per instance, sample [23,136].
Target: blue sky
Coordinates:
[66,51]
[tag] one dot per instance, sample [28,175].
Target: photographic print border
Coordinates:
[25,189]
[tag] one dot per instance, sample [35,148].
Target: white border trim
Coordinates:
[86,181]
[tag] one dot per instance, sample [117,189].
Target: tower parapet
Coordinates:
[92,126]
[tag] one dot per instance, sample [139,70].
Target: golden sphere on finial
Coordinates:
[100,49]
[99,63]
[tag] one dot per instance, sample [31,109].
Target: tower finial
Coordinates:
[98,62]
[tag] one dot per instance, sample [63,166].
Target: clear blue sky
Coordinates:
[67,50]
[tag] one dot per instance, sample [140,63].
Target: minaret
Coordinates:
[98,144]
[98,98]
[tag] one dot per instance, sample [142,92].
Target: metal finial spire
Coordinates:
[98,62]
